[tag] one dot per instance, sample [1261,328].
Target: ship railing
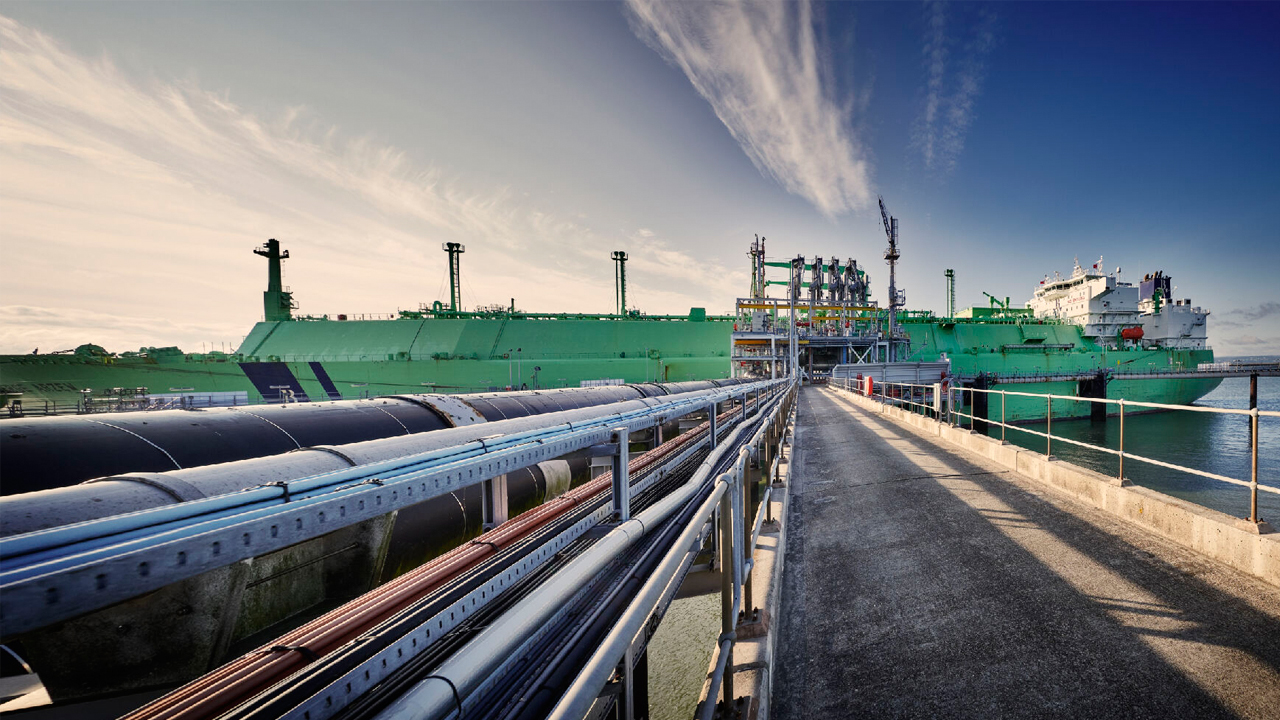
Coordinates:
[946,403]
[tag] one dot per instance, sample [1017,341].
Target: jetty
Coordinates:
[872,556]
[923,579]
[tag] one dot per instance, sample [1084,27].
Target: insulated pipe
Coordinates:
[470,666]
[107,497]
[234,682]
[117,545]
[34,457]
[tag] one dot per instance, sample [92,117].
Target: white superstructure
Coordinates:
[1120,314]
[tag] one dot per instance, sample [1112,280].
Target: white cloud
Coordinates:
[130,207]
[948,112]
[760,66]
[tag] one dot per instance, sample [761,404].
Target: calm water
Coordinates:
[1209,442]
[679,655]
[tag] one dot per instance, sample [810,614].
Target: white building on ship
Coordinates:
[1119,314]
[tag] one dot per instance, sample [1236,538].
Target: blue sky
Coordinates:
[145,148]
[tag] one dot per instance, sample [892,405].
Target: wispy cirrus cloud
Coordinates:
[762,69]
[955,68]
[130,205]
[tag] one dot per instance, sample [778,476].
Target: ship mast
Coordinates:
[891,256]
[620,280]
[277,303]
[455,274]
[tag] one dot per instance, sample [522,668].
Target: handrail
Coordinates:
[728,497]
[62,572]
[953,414]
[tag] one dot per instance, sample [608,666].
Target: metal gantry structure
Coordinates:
[897,298]
[825,318]
[548,613]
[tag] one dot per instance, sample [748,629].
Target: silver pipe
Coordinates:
[579,697]
[468,668]
[717,676]
[106,497]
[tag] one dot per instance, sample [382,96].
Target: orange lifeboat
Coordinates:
[1133,333]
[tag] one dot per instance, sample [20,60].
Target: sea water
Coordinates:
[1209,442]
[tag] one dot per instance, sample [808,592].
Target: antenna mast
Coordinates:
[951,292]
[455,274]
[620,278]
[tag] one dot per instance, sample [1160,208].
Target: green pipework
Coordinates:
[1155,299]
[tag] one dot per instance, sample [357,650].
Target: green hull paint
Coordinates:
[977,347]
[414,355]
[381,357]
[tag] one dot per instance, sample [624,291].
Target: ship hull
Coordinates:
[1022,350]
[323,360]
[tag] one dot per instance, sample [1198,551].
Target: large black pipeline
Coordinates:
[372,703]
[52,452]
[538,694]
[633,567]
[319,674]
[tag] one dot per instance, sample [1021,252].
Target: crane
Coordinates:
[891,256]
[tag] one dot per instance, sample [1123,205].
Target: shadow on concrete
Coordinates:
[900,598]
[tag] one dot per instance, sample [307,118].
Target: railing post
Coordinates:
[711,421]
[494,506]
[1122,439]
[1253,483]
[1002,420]
[621,475]
[727,620]
[1048,427]
[748,523]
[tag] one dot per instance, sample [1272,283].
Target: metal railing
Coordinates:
[55,574]
[938,401]
[726,512]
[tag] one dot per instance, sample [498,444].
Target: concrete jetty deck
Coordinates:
[925,581]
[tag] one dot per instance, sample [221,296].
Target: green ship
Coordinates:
[438,349]
[1088,334]
[1088,327]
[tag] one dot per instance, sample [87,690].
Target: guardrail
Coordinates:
[738,526]
[56,574]
[937,401]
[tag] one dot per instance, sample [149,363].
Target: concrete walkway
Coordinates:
[921,582]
